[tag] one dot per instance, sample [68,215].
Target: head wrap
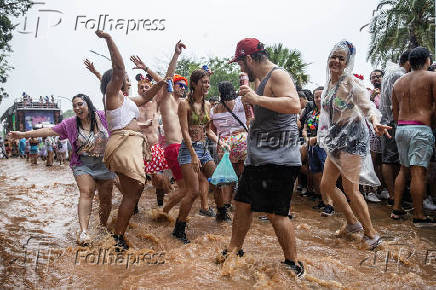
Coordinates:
[178,78]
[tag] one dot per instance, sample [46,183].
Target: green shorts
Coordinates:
[415,145]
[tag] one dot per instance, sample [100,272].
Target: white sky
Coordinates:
[52,63]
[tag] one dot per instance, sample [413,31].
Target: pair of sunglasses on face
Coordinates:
[182,85]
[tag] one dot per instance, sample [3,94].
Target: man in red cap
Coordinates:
[273,158]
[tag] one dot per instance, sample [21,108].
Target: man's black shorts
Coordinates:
[267,188]
[389,148]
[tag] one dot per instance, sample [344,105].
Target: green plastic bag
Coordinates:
[224,172]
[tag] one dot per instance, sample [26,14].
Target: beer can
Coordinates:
[170,86]
[243,80]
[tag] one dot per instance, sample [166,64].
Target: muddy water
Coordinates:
[38,226]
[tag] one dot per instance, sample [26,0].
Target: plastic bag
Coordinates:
[224,173]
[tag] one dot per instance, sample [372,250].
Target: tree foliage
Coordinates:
[222,71]
[397,25]
[291,60]
[8,10]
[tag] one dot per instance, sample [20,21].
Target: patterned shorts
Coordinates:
[158,162]
[238,147]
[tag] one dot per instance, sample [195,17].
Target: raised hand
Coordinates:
[139,64]
[179,46]
[102,34]
[90,66]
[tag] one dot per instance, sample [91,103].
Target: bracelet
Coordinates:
[146,69]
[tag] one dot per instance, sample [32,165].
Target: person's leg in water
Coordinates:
[328,187]
[222,215]
[192,192]
[241,224]
[104,188]
[418,186]
[131,190]
[400,185]
[351,165]
[204,190]
[86,185]
[284,230]
[162,186]
[176,196]
[389,173]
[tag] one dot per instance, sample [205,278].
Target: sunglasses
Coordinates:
[182,85]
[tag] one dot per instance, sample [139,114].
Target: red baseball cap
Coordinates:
[245,47]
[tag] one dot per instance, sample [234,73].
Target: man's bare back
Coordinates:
[413,97]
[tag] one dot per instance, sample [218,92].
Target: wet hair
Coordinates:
[105,79]
[418,56]
[320,88]
[91,112]
[405,57]
[377,70]
[301,94]
[196,75]
[227,91]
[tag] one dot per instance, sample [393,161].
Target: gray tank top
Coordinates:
[273,137]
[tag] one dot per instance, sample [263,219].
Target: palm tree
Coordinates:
[291,60]
[397,25]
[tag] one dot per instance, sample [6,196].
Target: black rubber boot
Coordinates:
[179,232]
[160,196]
[222,215]
[120,243]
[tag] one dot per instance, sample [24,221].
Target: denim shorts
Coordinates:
[415,145]
[94,167]
[200,148]
[317,157]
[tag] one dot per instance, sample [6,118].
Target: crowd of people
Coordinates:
[341,148]
[47,149]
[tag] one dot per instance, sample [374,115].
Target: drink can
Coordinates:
[243,80]
[170,86]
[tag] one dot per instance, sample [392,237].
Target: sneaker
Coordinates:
[390,202]
[372,243]
[407,206]
[320,205]
[297,268]
[398,214]
[327,211]
[350,229]
[372,197]
[263,218]
[428,203]
[209,212]
[120,243]
[84,239]
[383,195]
[303,191]
[424,223]
[228,206]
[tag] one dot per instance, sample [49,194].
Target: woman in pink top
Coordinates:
[230,122]
[88,134]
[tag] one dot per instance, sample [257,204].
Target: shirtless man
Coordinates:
[413,97]
[168,106]
[149,123]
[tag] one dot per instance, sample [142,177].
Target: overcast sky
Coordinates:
[52,62]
